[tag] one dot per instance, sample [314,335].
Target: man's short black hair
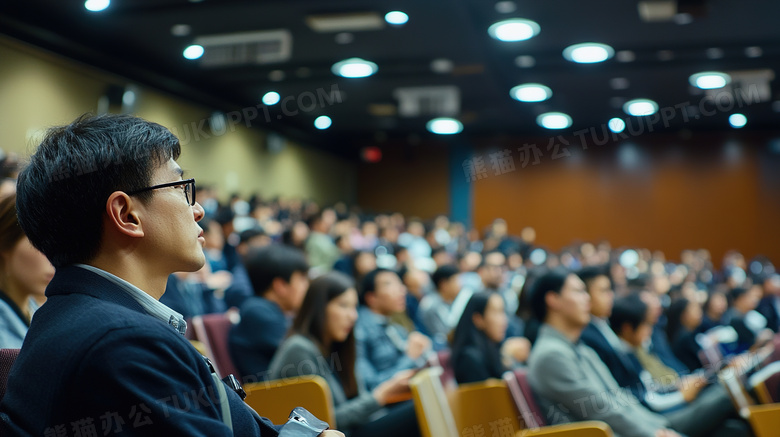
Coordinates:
[369,282]
[264,264]
[62,193]
[246,235]
[444,273]
[628,309]
[588,274]
[552,281]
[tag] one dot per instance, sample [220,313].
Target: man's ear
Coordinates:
[551,299]
[123,215]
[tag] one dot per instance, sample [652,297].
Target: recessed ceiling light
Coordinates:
[753,52]
[354,67]
[588,53]
[515,29]
[709,80]
[506,7]
[525,61]
[554,120]
[531,92]
[96,5]
[640,107]
[737,120]
[444,126]
[625,56]
[616,125]
[193,52]
[271,98]
[180,29]
[322,122]
[396,17]
[714,53]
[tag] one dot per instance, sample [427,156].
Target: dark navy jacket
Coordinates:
[95,363]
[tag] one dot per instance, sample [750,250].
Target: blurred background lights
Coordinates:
[96,5]
[616,125]
[444,126]
[354,67]
[322,122]
[396,17]
[554,120]
[271,98]
[531,92]
[516,29]
[588,53]
[708,80]
[193,52]
[538,256]
[737,120]
[640,107]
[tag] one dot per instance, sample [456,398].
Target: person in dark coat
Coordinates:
[104,199]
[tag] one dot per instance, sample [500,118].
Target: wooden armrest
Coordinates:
[590,428]
[765,419]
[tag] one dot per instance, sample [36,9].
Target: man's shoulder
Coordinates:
[260,308]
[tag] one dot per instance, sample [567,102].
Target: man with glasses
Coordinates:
[103,198]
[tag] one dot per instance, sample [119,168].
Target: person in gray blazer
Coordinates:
[322,342]
[571,381]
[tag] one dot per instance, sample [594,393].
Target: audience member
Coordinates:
[24,274]
[477,349]
[322,342]
[120,229]
[384,348]
[435,310]
[278,275]
[571,381]
[683,325]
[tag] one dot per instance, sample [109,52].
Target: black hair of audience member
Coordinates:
[314,219]
[369,283]
[311,322]
[466,335]
[628,309]
[74,166]
[444,273]
[734,294]
[589,273]
[639,283]
[674,318]
[550,281]
[248,234]
[264,264]
[224,215]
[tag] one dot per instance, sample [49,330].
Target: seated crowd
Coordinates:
[373,298]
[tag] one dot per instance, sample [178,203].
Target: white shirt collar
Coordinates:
[154,307]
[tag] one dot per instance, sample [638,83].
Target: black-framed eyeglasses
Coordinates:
[189,189]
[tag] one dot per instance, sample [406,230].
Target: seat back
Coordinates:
[523,397]
[7,358]
[765,383]
[443,359]
[434,415]
[485,408]
[212,330]
[275,399]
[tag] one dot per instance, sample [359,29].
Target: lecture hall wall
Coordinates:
[40,89]
[718,190]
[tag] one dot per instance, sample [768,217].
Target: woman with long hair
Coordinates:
[476,344]
[24,274]
[683,320]
[322,342]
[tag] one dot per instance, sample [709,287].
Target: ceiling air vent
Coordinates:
[245,48]
[429,100]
